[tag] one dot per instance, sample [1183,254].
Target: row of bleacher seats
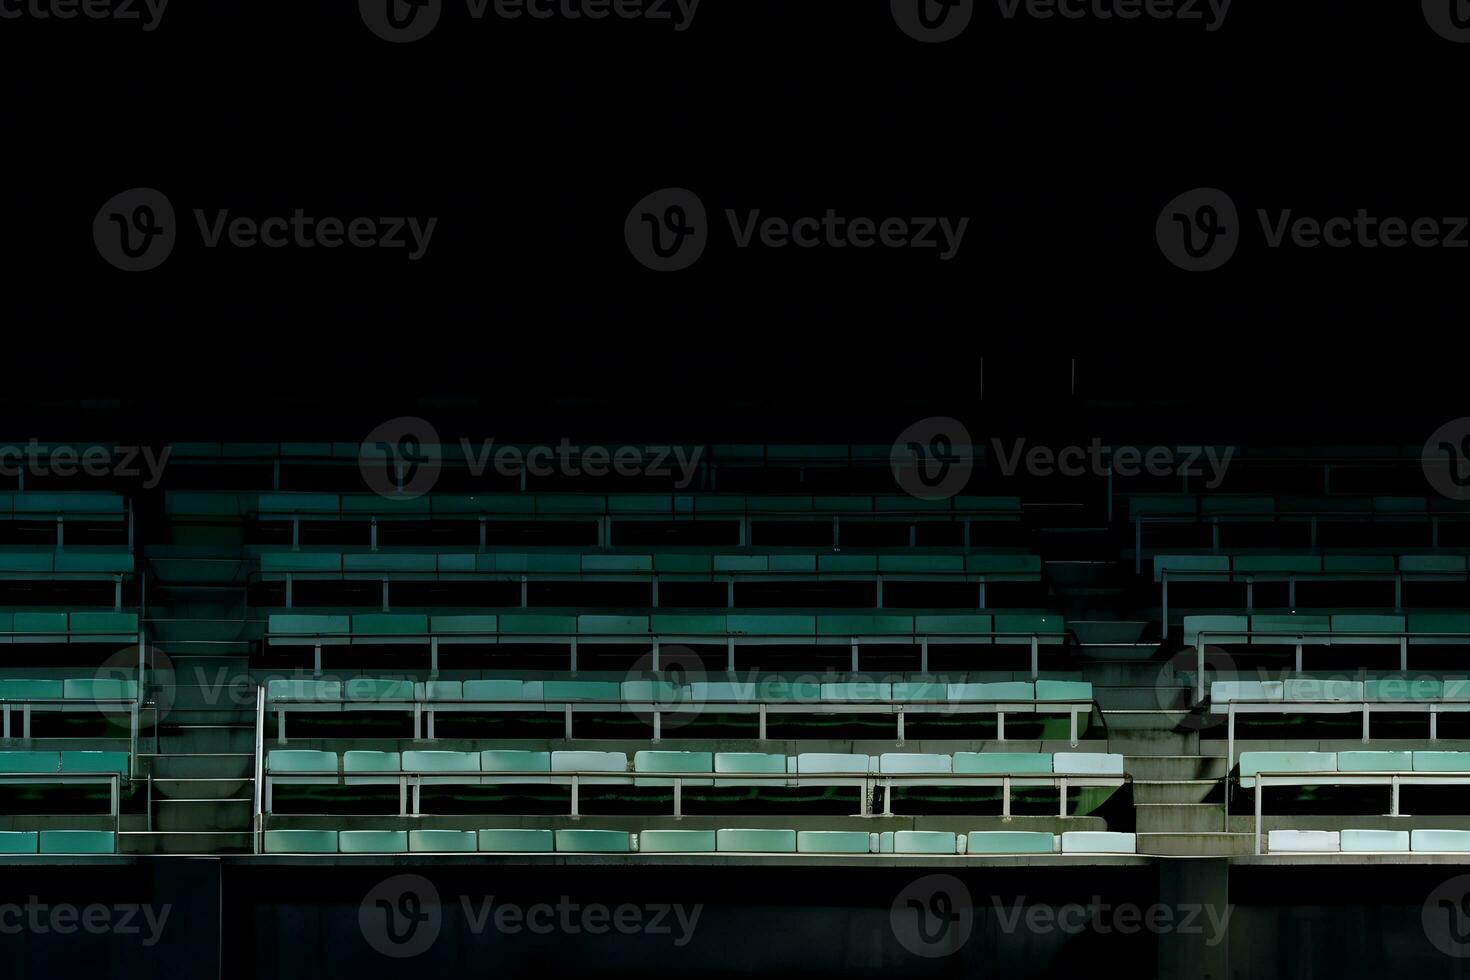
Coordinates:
[1364,761]
[1368,841]
[57,842]
[1049,626]
[564,506]
[1310,689]
[659,841]
[58,627]
[769,690]
[522,761]
[672,566]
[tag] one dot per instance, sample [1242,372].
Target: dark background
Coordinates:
[1061,140]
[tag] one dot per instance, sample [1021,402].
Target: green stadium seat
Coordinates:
[762,841]
[1357,563]
[999,691]
[377,689]
[1277,564]
[612,624]
[1287,841]
[18,842]
[650,691]
[1403,689]
[1223,692]
[359,765]
[913,762]
[772,625]
[919,691]
[372,842]
[301,561]
[27,762]
[99,689]
[1002,763]
[389,624]
[30,690]
[1063,690]
[300,760]
[923,842]
[954,624]
[587,761]
[542,625]
[442,841]
[517,841]
[1288,625]
[303,690]
[93,761]
[418,760]
[682,624]
[857,691]
[1442,761]
[593,841]
[309,625]
[496,690]
[1360,623]
[1010,842]
[579,691]
[1318,689]
[833,762]
[463,624]
[676,841]
[1375,761]
[1045,623]
[1375,840]
[1441,841]
[1432,564]
[103,622]
[77,842]
[832,842]
[1270,762]
[1087,763]
[515,760]
[1098,842]
[680,762]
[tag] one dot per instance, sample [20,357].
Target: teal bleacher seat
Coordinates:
[832,842]
[441,841]
[77,842]
[593,841]
[301,760]
[372,842]
[1010,842]
[529,841]
[18,842]
[923,842]
[763,841]
[676,841]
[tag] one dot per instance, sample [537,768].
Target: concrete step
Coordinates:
[1126,632]
[1173,790]
[1143,697]
[1180,817]
[189,739]
[1173,767]
[163,842]
[236,764]
[1145,740]
[1195,845]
